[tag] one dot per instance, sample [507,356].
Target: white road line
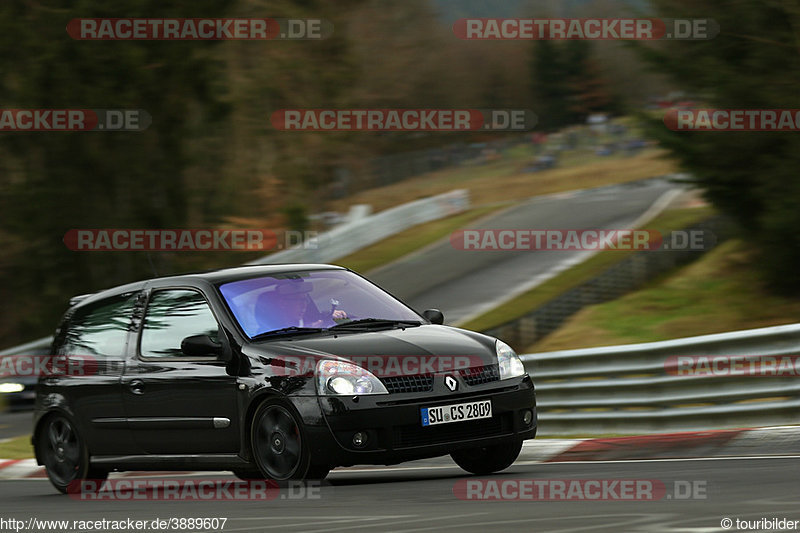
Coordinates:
[426,519]
[678,459]
[328,519]
[333,517]
[617,525]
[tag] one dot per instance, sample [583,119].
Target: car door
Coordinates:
[177,404]
[95,338]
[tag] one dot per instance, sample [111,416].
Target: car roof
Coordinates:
[210,276]
[250,271]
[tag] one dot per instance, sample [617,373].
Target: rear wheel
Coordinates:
[65,455]
[279,445]
[488,459]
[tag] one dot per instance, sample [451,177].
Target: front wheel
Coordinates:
[279,445]
[65,454]
[488,459]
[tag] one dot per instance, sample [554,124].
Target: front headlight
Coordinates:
[510,364]
[337,378]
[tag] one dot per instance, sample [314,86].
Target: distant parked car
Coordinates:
[280,372]
[544,162]
[18,393]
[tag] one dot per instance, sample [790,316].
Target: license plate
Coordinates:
[459,412]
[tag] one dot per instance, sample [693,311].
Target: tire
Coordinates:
[65,454]
[488,459]
[279,445]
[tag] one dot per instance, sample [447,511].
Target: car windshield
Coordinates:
[309,299]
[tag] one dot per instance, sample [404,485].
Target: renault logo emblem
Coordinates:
[451,383]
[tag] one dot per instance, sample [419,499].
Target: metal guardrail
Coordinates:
[37,347]
[628,389]
[364,231]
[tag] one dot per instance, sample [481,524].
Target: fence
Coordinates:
[37,347]
[388,169]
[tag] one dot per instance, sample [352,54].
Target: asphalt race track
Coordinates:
[14,424]
[416,498]
[464,283]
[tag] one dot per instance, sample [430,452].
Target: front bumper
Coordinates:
[395,432]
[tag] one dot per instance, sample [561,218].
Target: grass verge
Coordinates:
[501,181]
[580,273]
[720,292]
[16,448]
[410,240]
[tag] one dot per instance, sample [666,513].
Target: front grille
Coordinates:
[418,435]
[480,374]
[420,383]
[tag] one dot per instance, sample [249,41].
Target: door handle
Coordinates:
[137,386]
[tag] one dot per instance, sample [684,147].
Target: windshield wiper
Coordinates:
[291,330]
[379,322]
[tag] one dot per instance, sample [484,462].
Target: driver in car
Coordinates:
[289,304]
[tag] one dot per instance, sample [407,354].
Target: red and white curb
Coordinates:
[23,468]
[744,442]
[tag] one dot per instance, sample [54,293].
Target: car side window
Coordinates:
[171,316]
[100,329]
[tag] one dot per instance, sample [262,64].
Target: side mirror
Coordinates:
[434,316]
[200,346]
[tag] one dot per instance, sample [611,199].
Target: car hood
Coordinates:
[415,347]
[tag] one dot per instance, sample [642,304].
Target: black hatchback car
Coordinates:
[279,372]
